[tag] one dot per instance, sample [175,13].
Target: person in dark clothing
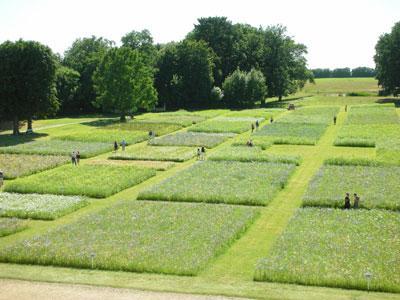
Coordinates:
[198,153]
[252,127]
[78,157]
[257,124]
[347,201]
[271,120]
[250,143]
[356,201]
[203,152]
[334,120]
[115,146]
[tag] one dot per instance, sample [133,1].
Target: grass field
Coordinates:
[372,114]
[224,125]
[152,164]
[97,181]
[16,165]
[148,237]
[106,136]
[162,153]
[11,225]
[137,125]
[330,184]
[311,115]
[35,206]
[198,139]
[182,120]
[342,86]
[332,247]
[58,147]
[231,182]
[251,154]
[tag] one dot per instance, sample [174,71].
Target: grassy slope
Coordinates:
[231,274]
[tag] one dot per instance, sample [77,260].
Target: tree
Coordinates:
[84,56]
[322,73]
[220,36]
[284,64]
[243,89]
[184,78]
[387,60]
[341,73]
[124,82]
[27,74]
[143,42]
[363,72]
[67,83]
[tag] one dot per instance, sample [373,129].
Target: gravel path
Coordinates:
[21,290]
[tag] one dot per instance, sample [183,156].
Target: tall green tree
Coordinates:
[143,42]
[184,77]
[124,82]
[84,56]
[27,76]
[363,72]
[67,83]
[387,60]
[341,73]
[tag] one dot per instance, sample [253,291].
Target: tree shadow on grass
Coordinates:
[102,122]
[284,102]
[12,140]
[396,101]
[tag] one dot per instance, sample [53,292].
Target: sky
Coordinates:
[337,33]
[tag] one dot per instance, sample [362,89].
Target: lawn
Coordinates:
[156,165]
[35,206]
[16,165]
[256,113]
[342,86]
[198,139]
[335,248]
[289,133]
[377,186]
[11,225]
[182,120]
[223,182]
[106,136]
[224,125]
[251,154]
[97,181]
[162,153]
[58,147]
[139,236]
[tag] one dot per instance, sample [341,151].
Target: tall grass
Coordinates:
[97,181]
[106,136]
[198,139]
[335,248]
[11,225]
[138,236]
[162,153]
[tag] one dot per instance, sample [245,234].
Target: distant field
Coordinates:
[342,86]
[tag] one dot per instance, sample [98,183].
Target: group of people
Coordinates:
[75,158]
[123,145]
[347,203]
[201,153]
[255,126]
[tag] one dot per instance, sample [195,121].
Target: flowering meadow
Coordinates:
[16,165]
[254,183]
[336,248]
[197,139]
[35,206]
[162,153]
[97,181]
[11,225]
[139,236]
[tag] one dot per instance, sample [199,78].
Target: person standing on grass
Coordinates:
[347,201]
[356,201]
[271,119]
[203,152]
[198,153]
[115,146]
[78,157]
[334,120]
[257,125]
[123,145]
[73,158]
[252,127]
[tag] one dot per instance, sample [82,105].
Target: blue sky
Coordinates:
[338,33]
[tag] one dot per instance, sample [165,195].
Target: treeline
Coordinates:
[344,72]
[217,58]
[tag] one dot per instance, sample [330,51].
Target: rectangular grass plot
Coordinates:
[223,125]
[139,236]
[35,206]
[197,139]
[162,153]
[106,136]
[97,181]
[11,225]
[310,115]
[372,114]
[16,165]
[377,186]
[223,182]
[335,248]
